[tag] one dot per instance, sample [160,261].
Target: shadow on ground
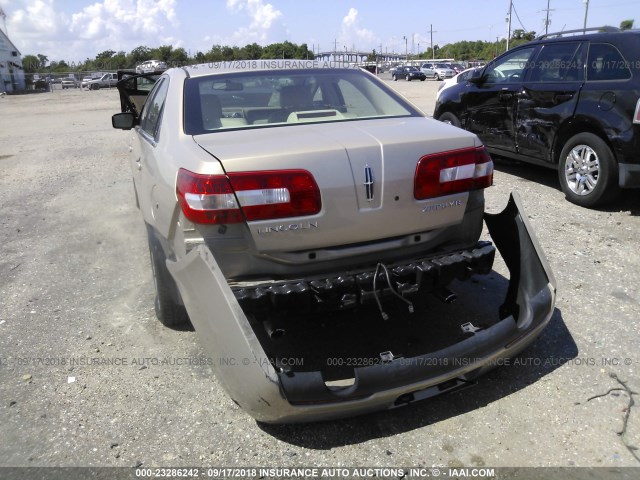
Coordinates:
[627,201]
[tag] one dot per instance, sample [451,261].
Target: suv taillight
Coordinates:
[451,172]
[266,195]
[636,116]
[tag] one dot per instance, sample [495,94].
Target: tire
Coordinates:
[170,312]
[438,77]
[422,79]
[407,78]
[395,78]
[450,118]
[587,171]
[95,86]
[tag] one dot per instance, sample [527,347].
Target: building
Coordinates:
[11,71]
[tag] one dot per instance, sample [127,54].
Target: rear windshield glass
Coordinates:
[282,97]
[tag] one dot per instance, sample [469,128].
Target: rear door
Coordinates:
[491,103]
[143,155]
[549,97]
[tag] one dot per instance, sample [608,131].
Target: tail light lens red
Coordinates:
[455,171]
[218,199]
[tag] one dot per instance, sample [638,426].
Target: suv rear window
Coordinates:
[606,63]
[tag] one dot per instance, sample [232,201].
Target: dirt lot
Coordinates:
[76,294]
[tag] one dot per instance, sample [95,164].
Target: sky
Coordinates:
[73,30]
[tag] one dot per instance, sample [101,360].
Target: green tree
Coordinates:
[43,60]
[139,55]
[30,63]
[626,25]
[252,52]
[178,57]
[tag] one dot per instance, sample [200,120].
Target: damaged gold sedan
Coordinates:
[303,216]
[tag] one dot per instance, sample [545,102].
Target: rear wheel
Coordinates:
[438,77]
[587,171]
[407,78]
[395,78]
[450,118]
[170,312]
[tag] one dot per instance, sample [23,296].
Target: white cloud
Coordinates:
[265,22]
[350,19]
[353,36]
[39,26]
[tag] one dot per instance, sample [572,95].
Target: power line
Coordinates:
[518,17]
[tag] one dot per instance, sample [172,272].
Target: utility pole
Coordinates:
[586,12]
[433,54]
[509,23]
[547,22]
[406,52]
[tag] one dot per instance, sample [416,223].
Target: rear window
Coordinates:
[281,97]
[559,62]
[606,63]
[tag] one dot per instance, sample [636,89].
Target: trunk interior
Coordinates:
[337,342]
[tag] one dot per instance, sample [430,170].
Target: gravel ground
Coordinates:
[75,285]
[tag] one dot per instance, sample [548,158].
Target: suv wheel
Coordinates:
[407,78]
[587,171]
[438,77]
[450,118]
[168,311]
[94,86]
[395,78]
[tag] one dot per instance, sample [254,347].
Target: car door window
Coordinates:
[606,63]
[152,112]
[510,68]
[560,62]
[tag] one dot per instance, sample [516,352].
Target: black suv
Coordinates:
[570,102]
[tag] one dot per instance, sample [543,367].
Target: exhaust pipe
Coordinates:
[445,295]
[274,330]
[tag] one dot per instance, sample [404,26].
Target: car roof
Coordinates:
[606,34]
[264,65]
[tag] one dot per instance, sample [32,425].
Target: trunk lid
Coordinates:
[365,174]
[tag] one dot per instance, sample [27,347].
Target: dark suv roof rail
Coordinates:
[605,29]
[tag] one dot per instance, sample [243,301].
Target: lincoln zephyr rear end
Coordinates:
[304,217]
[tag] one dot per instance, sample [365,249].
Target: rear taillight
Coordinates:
[636,115]
[451,172]
[264,195]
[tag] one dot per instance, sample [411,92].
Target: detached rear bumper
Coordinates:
[269,395]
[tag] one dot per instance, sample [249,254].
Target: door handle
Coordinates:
[563,97]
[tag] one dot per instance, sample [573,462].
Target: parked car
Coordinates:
[107,80]
[85,82]
[462,77]
[570,102]
[456,67]
[439,71]
[408,73]
[306,265]
[151,66]
[69,83]
[42,84]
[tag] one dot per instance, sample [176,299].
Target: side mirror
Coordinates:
[123,121]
